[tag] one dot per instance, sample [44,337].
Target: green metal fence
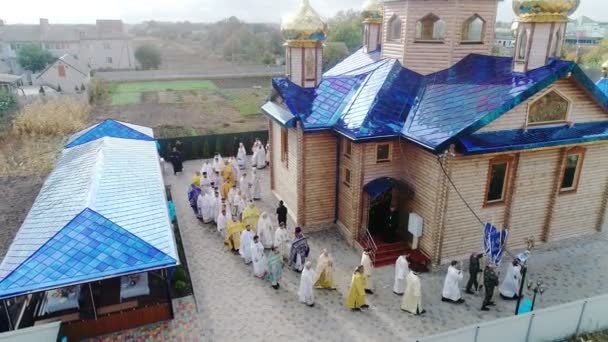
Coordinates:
[205,146]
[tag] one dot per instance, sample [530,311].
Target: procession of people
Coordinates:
[224,194]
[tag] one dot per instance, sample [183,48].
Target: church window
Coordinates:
[284,147]
[549,108]
[430,28]
[496,185]
[571,169]
[383,153]
[347,177]
[473,29]
[557,38]
[348,148]
[522,45]
[394,28]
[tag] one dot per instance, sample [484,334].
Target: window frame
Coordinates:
[465,29]
[285,147]
[432,40]
[506,181]
[348,148]
[554,122]
[390,153]
[389,31]
[61,70]
[580,151]
[347,179]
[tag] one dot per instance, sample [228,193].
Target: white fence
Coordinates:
[551,324]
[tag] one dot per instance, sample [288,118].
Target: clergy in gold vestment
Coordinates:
[412,298]
[233,233]
[228,173]
[325,272]
[251,215]
[356,295]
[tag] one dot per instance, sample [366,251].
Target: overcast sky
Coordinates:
[133,11]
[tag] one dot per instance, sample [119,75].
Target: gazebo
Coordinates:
[97,248]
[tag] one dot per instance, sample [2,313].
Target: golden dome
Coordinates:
[544,10]
[372,9]
[304,24]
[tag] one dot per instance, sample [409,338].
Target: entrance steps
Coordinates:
[388,252]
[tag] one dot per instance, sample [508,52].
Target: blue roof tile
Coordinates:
[99,249]
[602,84]
[512,140]
[110,128]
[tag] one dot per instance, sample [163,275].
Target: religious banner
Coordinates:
[494,240]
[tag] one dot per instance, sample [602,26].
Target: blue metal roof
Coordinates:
[378,98]
[512,140]
[99,176]
[602,84]
[110,128]
[89,246]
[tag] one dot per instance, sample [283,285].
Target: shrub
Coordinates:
[181,287]
[60,116]
[148,56]
[99,91]
[8,102]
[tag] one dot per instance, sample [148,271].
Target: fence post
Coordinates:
[580,318]
[476,333]
[529,327]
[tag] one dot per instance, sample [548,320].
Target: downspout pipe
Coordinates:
[336,200]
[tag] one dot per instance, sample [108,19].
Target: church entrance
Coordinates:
[388,213]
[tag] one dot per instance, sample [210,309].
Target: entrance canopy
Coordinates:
[381,185]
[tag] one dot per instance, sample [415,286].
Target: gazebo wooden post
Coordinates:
[165,273]
[93,302]
[8,316]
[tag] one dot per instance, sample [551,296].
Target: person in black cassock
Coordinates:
[176,160]
[282,213]
[392,225]
[474,269]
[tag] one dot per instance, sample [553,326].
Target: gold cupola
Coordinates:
[544,10]
[304,24]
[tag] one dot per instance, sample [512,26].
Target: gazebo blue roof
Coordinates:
[113,217]
[110,128]
[365,97]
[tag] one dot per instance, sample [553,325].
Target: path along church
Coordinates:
[423,119]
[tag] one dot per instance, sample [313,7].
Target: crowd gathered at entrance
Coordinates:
[223,194]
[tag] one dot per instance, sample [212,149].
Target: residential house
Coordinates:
[105,45]
[424,120]
[65,74]
[10,83]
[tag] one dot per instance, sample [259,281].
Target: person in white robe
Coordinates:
[368,269]
[260,161]
[241,156]
[282,241]
[267,154]
[219,181]
[206,184]
[245,244]
[402,269]
[214,204]
[264,230]
[451,285]
[306,292]
[256,188]
[222,222]
[235,168]
[239,203]
[412,298]
[254,155]
[207,211]
[207,168]
[260,264]
[230,198]
[509,289]
[218,163]
[244,186]
[200,205]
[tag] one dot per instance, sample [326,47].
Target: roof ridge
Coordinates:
[87,131]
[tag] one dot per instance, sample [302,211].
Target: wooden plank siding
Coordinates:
[583,108]
[285,177]
[394,49]
[530,211]
[350,196]
[319,179]
[429,57]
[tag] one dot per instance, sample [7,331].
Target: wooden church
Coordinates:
[422,127]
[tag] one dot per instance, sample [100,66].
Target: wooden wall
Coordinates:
[394,49]
[319,178]
[349,197]
[584,109]
[531,210]
[285,177]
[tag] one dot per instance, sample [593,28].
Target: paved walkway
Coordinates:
[233,305]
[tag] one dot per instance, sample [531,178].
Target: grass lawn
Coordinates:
[178,85]
[246,101]
[121,99]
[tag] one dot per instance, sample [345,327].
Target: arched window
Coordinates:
[549,108]
[394,28]
[556,43]
[522,44]
[430,28]
[473,29]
